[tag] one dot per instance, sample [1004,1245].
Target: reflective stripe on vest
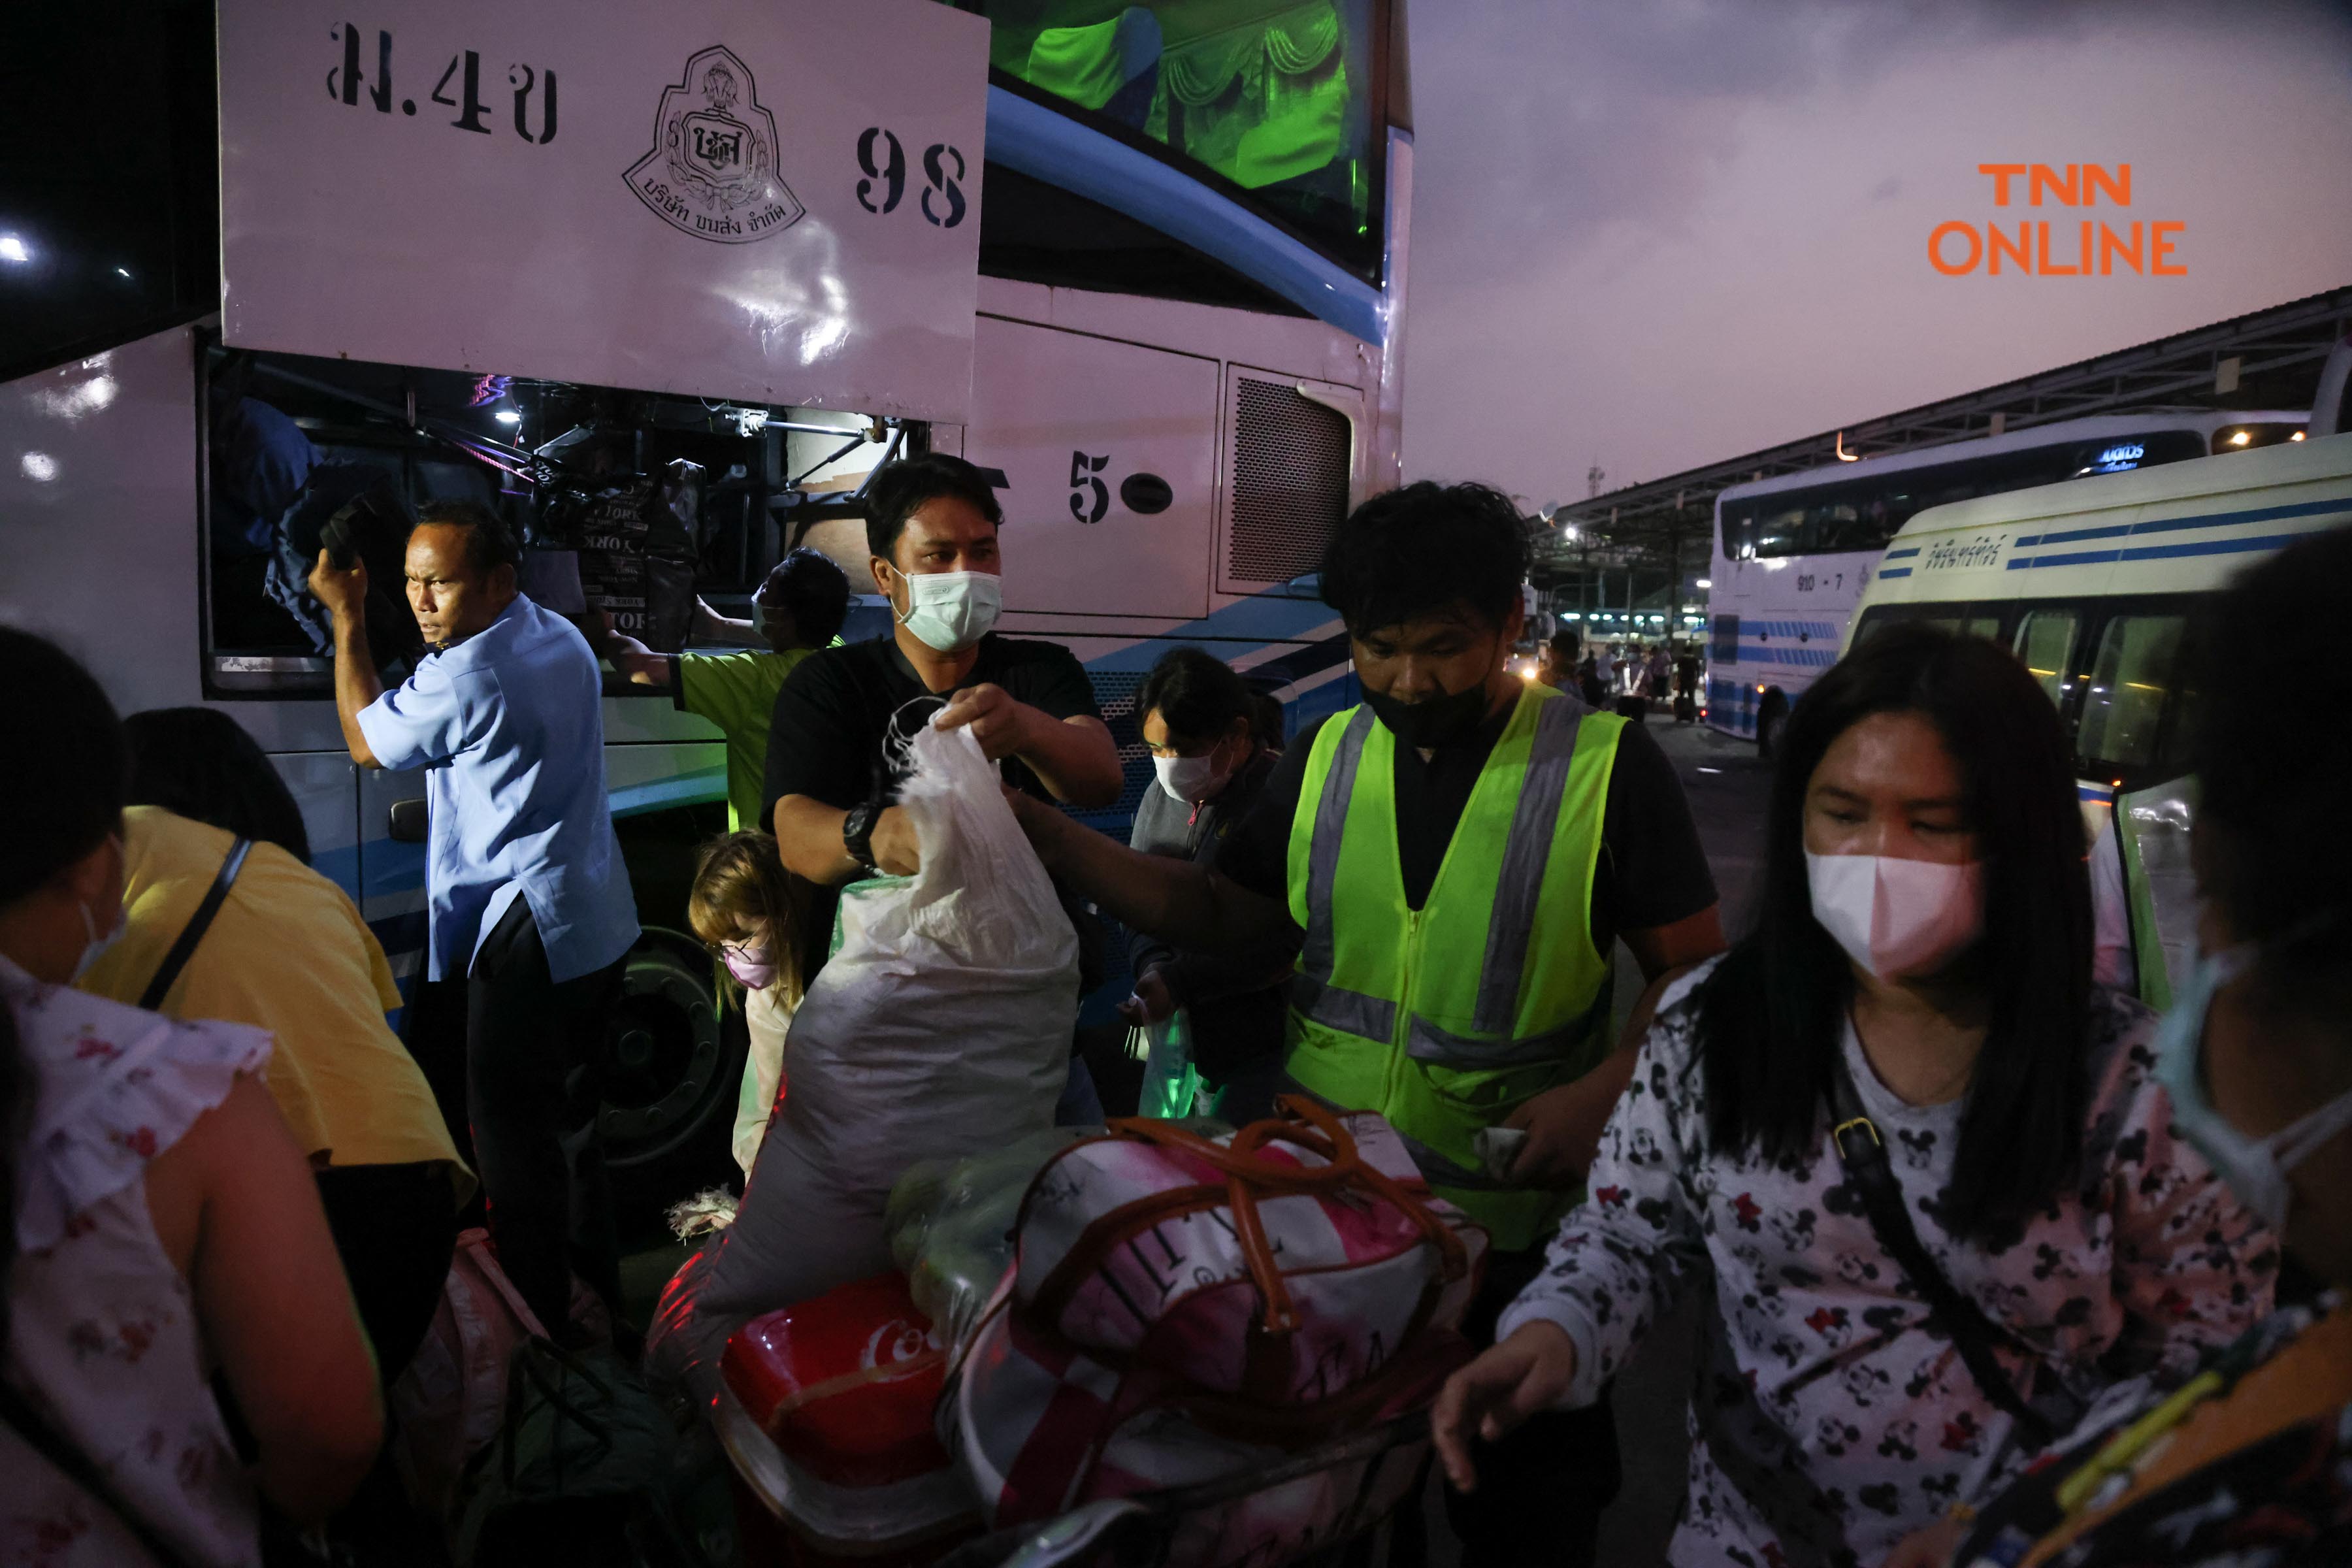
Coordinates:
[1446,1019]
[1527,854]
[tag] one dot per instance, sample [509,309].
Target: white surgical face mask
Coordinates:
[2255,1168]
[1188,779]
[1897,918]
[949,611]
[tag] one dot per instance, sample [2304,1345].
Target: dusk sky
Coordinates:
[1654,236]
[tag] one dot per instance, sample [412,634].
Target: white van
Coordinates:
[2093,582]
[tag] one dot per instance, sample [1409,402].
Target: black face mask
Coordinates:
[1433,721]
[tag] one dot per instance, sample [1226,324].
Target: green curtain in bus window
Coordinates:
[2044,638]
[1260,103]
[1985,626]
[1087,65]
[2123,715]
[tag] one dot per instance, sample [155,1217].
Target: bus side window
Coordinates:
[1985,626]
[2124,713]
[2045,640]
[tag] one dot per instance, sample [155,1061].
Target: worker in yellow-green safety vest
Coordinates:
[1459,856]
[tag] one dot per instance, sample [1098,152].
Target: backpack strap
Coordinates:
[184,948]
[1862,1152]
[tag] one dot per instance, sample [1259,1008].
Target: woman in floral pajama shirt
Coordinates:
[1925,926]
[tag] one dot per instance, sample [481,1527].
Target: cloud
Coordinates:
[1655,235]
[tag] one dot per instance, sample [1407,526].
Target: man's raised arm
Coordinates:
[345,595]
[1175,900]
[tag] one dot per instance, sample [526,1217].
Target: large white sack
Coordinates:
[940,1028]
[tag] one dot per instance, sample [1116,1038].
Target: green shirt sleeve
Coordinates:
[733,690]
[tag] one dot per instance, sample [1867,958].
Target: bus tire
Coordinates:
[667,1076]
[1770,718]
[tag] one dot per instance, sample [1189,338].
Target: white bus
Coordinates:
[1190,243]
[1793,556]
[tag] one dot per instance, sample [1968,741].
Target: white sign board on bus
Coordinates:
[772,200]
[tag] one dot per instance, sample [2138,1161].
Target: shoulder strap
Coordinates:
[1863,1154]
[55,1447]
[184,948]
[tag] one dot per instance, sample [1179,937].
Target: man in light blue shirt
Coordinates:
[528,901]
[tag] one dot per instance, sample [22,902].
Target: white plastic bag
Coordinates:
[940,1028]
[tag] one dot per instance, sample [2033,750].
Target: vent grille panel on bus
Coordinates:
[1289,482]
[1115,694]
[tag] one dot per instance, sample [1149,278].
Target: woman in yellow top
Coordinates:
[287,950]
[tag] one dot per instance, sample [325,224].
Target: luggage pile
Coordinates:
[1222,1342]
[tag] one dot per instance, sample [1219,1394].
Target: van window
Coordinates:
[2131,683]
[2045,640]
[1967,620]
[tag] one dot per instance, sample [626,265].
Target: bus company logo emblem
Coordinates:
[712,170]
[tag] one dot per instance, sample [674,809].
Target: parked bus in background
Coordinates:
[1189,293]
[1793,554]
[2096,588]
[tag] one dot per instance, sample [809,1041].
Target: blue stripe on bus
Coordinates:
[2210,520]
[679,789]
[2076,535]
[1282,614]
[1749,626]
[1032,140]
[2103,794]
[1900,555]
[2162,551]
[1814,658]
[1886,572]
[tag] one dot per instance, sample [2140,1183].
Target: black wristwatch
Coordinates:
[857,832]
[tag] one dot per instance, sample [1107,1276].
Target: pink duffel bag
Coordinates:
[1182,1310]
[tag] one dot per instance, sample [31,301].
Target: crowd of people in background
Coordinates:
[237,1191]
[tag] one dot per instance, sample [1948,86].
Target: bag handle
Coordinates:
[1248,1176]
[184,948]
[1325,1134]
[1862,1152]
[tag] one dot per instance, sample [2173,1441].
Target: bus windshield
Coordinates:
[1275,97]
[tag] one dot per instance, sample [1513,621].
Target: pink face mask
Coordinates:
[1897,918]
[754,968]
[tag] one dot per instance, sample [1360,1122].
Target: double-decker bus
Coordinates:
[1793,554]
[1191,226]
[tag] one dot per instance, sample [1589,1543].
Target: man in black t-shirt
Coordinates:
[931,525]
